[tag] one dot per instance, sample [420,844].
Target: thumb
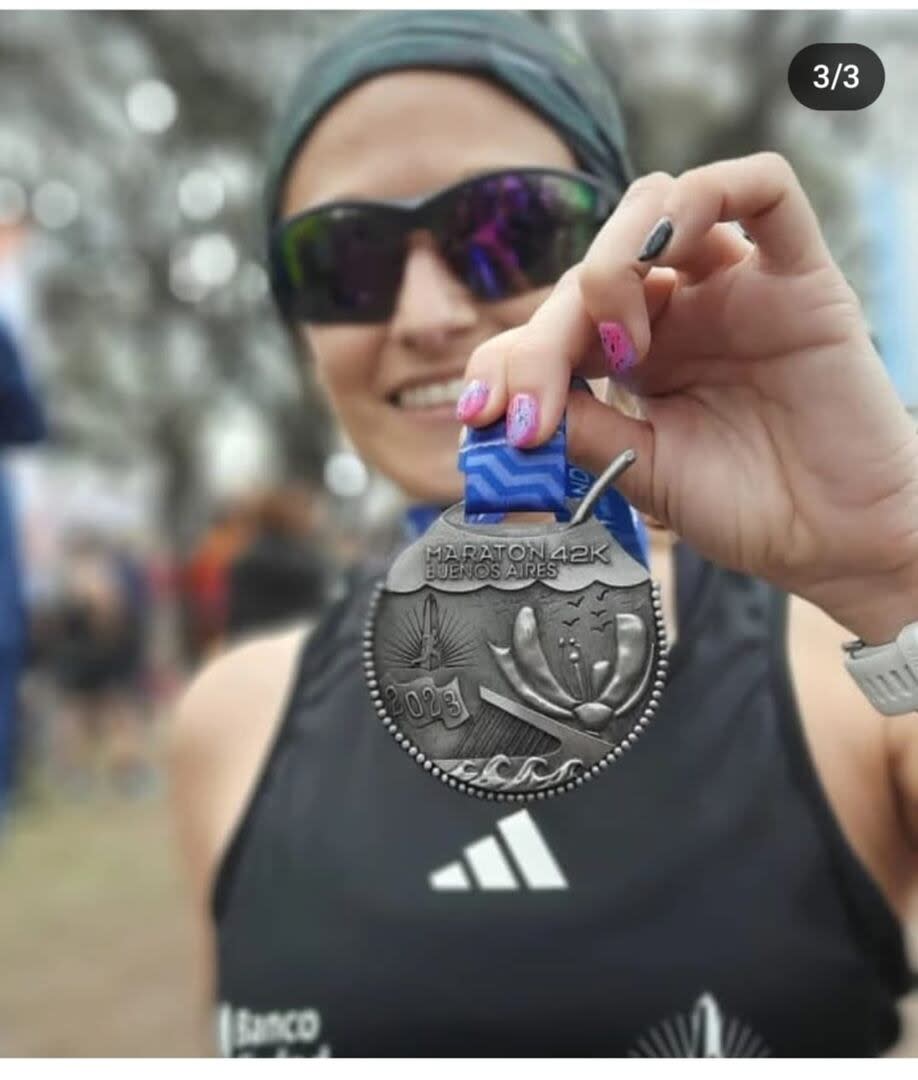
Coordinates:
[598,433]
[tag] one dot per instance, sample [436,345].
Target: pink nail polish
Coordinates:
[522,419]
[618,347]
[472,400]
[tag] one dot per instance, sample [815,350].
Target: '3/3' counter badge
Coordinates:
[515,661]
[834,76]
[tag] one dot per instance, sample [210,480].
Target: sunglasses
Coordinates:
[501,234]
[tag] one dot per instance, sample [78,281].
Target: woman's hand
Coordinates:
[772,441]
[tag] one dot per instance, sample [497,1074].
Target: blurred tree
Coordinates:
[701,86]
[153,299]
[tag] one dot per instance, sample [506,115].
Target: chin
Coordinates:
[426,465]
[432,490]
[441,483]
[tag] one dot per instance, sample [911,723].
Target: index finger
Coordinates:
[762,192]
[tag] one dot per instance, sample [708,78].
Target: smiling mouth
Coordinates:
[431,395]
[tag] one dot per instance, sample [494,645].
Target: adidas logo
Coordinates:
[493,868]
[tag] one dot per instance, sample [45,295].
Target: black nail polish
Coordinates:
[660,236]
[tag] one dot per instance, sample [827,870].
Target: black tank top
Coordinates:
[699,898]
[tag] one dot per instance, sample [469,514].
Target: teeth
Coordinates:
[438,393]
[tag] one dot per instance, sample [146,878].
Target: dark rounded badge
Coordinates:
[515,661]
[832,76]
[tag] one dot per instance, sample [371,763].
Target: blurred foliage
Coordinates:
[134,371]
[702,86]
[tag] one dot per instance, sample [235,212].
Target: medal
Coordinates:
[513,661]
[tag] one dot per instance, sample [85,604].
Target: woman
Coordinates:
[736,885]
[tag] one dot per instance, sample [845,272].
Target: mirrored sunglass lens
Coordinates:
[516,232]
[343,264]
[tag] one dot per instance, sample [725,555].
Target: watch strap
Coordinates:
[888,673]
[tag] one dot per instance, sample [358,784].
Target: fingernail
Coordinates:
[472,400]
[618,347]
[659,236]
[522,419]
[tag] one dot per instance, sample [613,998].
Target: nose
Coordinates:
[432,304]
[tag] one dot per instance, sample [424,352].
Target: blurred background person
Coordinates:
[98,650]
[283,574]
[205,578]
[21,423]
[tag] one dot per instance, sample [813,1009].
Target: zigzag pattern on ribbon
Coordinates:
[500,475]
[502,479]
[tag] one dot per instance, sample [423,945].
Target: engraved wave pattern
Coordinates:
[497,773]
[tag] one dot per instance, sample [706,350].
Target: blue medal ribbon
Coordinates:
[500,478]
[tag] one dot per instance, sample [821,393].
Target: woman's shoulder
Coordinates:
[219,736]
[237,677]
[234,695]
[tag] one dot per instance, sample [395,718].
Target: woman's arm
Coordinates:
[902,738]
[876,610]
[218,740]
[848,741]
[902,731]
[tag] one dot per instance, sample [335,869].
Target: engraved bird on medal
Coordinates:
[516,661]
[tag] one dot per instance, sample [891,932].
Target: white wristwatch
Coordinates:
[888,674]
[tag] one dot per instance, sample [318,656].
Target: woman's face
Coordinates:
[399,135]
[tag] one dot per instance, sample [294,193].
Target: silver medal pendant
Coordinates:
[516,661]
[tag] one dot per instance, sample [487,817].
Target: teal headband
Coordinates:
[512,49]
